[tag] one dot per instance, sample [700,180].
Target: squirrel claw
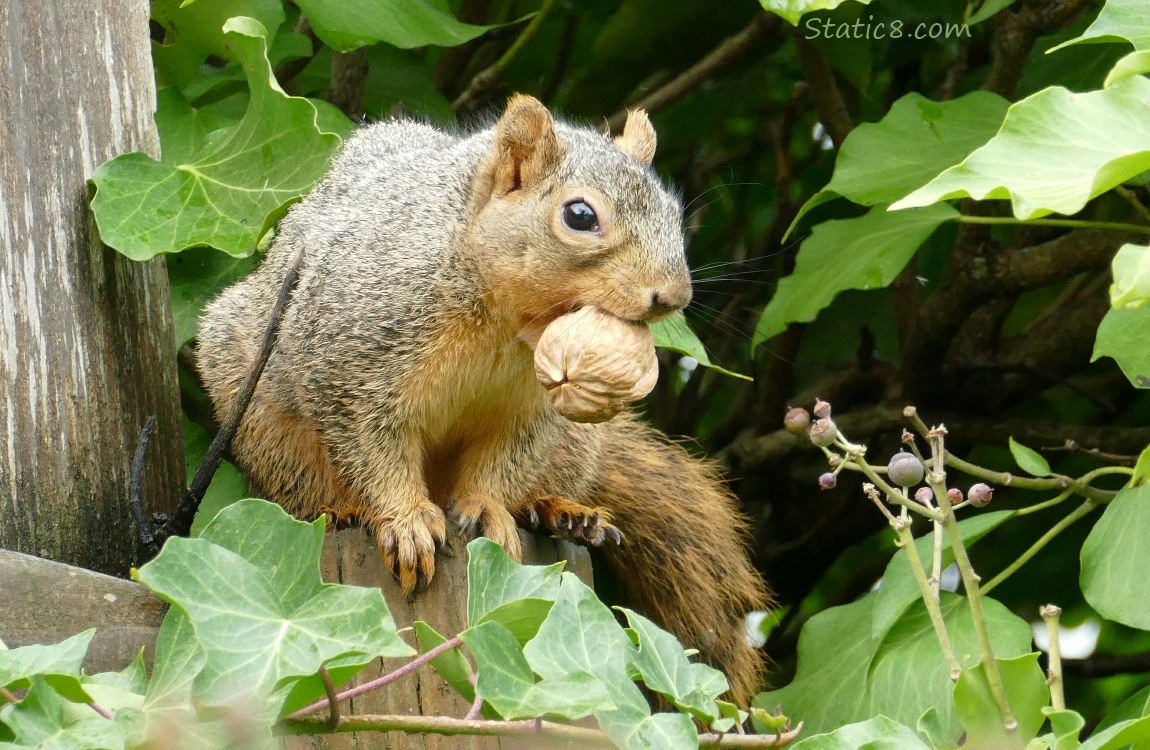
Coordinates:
[570,520]
[409,543]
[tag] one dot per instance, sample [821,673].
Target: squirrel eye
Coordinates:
[580,217]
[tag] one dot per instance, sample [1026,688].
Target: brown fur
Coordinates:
[402,391]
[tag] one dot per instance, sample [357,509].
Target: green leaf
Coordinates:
[1065,727]
[632,731]
[1049,156]
[194,30]
[134,677]
[262,615]
[663,663]
[793,10]
[867,252]
[899,590]
[1026,692]
[916,140]
[1122,336]
[1029,460]
[1118,20]
[507,683]
[930,728]
[196,276]
[351,24]
[1119,736]
[500,589]
[39,720]
[1115,569]
[846,674]
[1136,706]
[452,665]
[879,733]
[1134,64]
[1131,287]
[673,333]
[237,178]
[58,665]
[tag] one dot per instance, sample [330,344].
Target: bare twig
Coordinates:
[577,736]
[332,699]
[181,521]
[135,499]
[487,79]
[1072,446]
[729,51]
[828,100]
[379,682]
[1050,614]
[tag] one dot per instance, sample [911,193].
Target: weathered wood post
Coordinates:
[86,342]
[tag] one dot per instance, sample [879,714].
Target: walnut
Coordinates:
[594,364]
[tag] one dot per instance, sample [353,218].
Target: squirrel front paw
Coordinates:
[409,542]
[480,515]
[569,520]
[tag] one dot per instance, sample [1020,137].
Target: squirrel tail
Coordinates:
[683,561]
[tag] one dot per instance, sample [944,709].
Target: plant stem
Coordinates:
[929,596]
[1071,223]
[894,495]
[1045,539]
[378,682]
[1044,504]
[1050,614]
[577,736]
[1056,482]
[937,479]
[936,561]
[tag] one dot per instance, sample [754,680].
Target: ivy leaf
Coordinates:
[1117,21]
[452,665]
[58,665]
[1131,287]
[1115,574]
[501,590]
[867,252]
[879,733]
[238,177]
[1134,64]
[40,720]
[1120,736]
[1029,460]
[663,664]
[507,683]
[134,677]
[1122,336]
[1065,727]
[351,24]
[899,590]
[260,612]
[1026,691]
[1049,155]
[916,140]
[846,674]
[675,334]
[793,10]
[194,30]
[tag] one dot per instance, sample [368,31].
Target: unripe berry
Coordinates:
[905,470]
[980,494]
[828,481]
[955,495]
[797,421]
[823,432]
[924,495]
[822,409]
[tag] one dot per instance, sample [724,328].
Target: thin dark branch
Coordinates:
[1073,446]
[332,699]
[135,499]
[181,522]
[828,99]
[730,50]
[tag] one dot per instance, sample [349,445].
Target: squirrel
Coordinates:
[401,384]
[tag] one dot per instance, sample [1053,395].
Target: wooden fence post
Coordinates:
[86,341]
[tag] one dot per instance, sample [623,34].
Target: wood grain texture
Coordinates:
[86,342]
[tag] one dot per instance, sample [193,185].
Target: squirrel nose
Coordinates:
[669,299]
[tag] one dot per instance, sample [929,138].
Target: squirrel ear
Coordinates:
[638,137]
[527,147]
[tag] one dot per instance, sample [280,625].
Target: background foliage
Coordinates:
[925,218]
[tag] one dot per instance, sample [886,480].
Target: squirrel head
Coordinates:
[564,217]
